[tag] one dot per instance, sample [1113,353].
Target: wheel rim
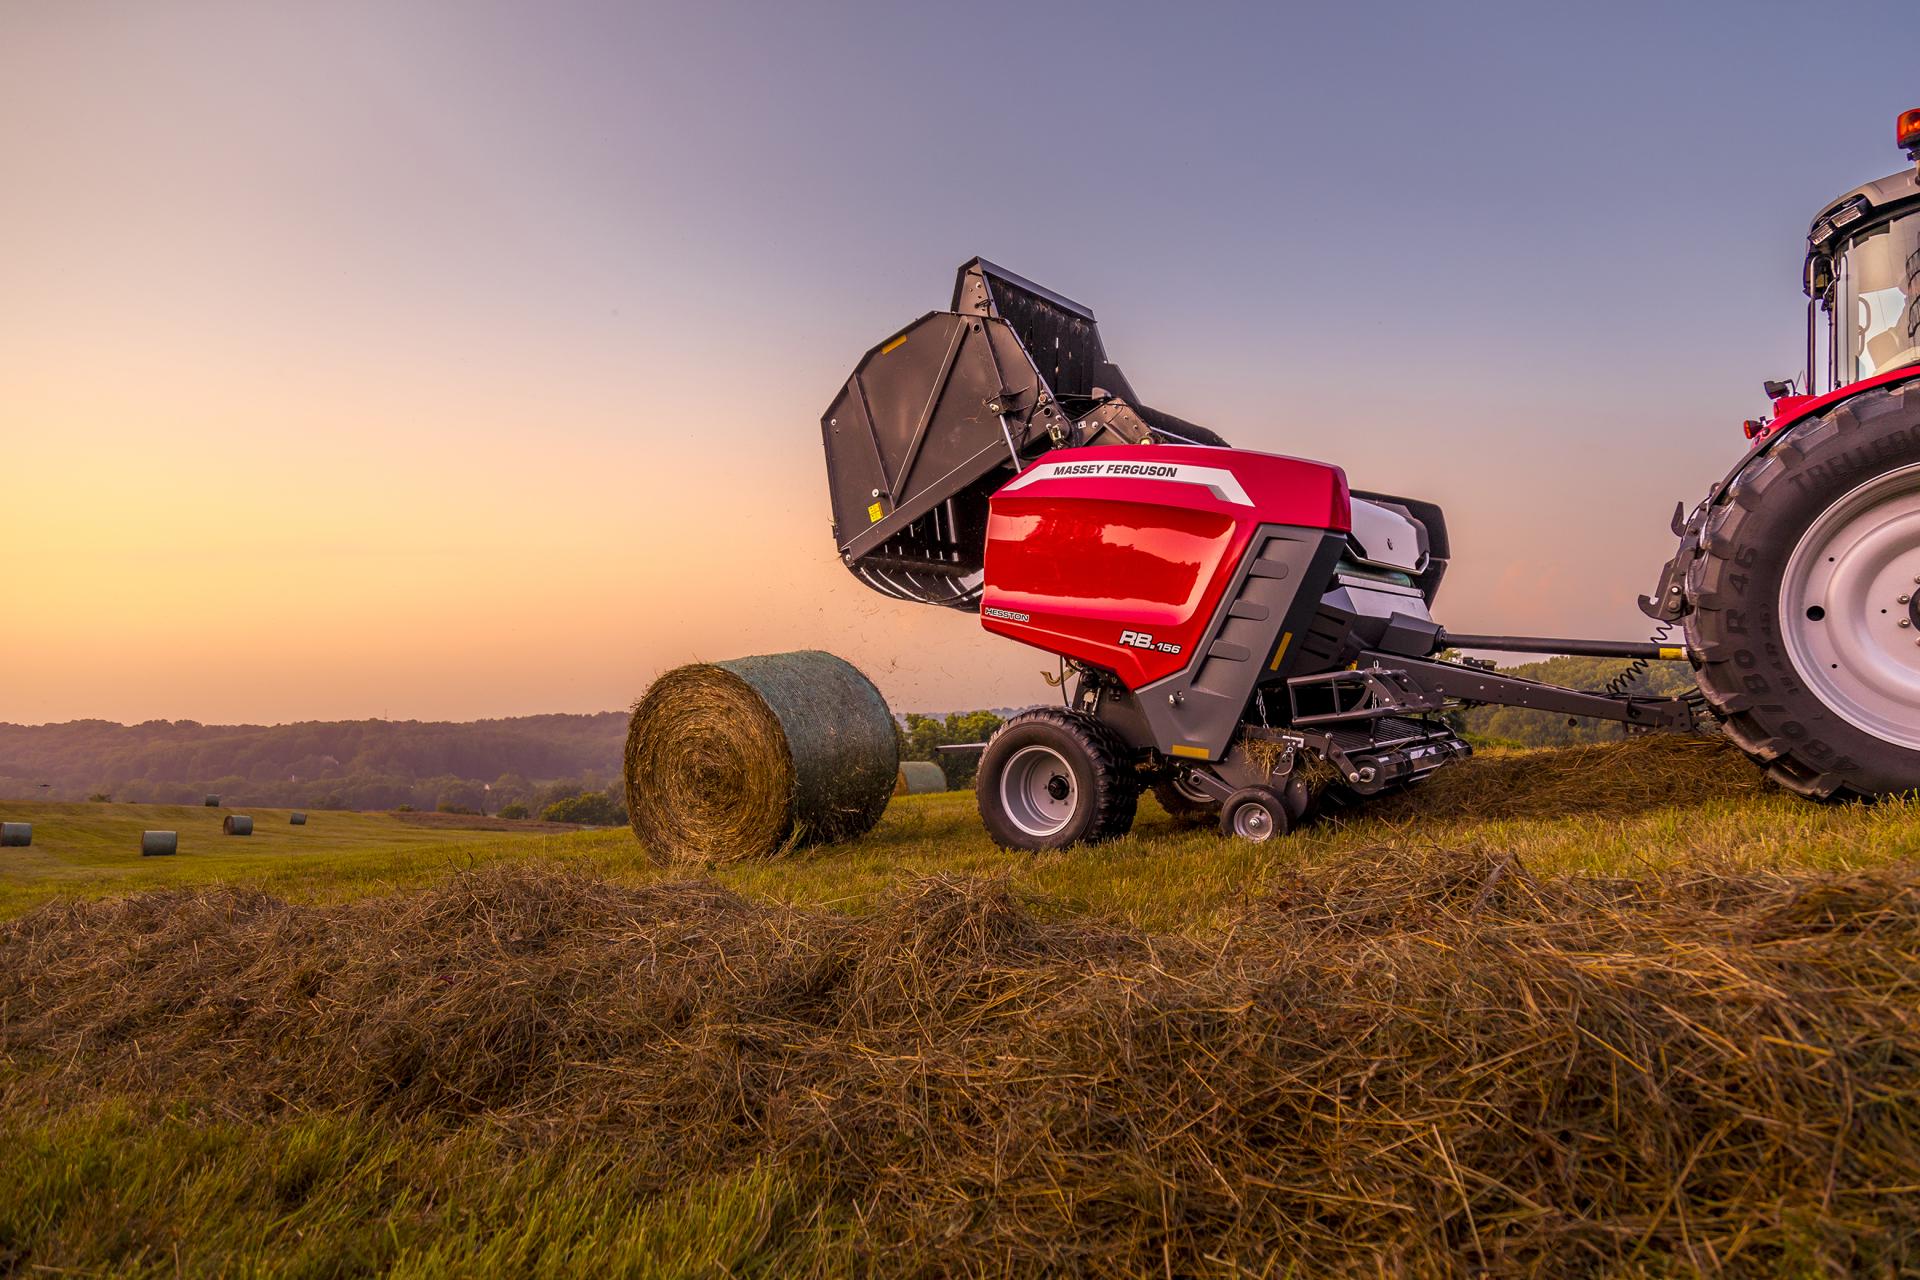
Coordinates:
[1251,821]
[1849,611]
[1038,792]
[1186,788]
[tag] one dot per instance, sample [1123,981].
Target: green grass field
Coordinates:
[1614,809]
[129,1174]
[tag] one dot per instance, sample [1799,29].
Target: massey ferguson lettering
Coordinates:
[1219,481]
[1144,470]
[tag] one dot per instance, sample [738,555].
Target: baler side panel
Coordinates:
[1087,572]
[1127,559]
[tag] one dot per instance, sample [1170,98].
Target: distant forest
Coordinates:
[533,762]
[353,764]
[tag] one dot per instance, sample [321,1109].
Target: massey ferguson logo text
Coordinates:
[1141,640]
[1219,481]
[1146,470]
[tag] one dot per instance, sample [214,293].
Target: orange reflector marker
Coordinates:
[1191,753]
[897,342]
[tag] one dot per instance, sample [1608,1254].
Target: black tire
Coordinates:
[1184,809]
[1258,814]
[1298,798]
[1741,657]
[1088,762]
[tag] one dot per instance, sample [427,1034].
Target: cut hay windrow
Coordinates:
[1626,776]
[740,759]
[1406,1065]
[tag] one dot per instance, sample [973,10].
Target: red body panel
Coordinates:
[1089,545]
[1788,410]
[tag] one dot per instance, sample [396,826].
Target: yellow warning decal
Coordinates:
[874,513]
[893,345]
[1191,753]
[1281,652]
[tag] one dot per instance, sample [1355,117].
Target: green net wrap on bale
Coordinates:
[917,777]
[741,759]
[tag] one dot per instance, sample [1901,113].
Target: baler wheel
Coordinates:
[1050,778]
[1257,814]
[1805,631]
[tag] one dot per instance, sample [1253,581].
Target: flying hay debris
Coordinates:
[734,760]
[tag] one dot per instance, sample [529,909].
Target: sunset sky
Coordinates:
[451,360]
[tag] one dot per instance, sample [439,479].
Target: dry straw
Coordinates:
[1410,1064]
[741,759]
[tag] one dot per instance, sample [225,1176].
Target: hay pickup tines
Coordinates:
[1252,638]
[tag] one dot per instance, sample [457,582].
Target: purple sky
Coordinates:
[450,360]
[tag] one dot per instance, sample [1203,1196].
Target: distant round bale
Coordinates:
[741,759]
[159,844]
[918,777]
[236,824]
[297,819]
[212,802]
[15,835]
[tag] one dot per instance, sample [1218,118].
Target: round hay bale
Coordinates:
[212,802]
[236,824]
[919,777]
[297,819]
[15,835]
[739,759]
[159,844]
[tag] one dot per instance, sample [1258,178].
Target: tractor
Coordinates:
[1253,639]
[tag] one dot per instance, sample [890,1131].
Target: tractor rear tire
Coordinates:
[1805,630]
[1050,778]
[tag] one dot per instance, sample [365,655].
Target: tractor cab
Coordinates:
[1863,276]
